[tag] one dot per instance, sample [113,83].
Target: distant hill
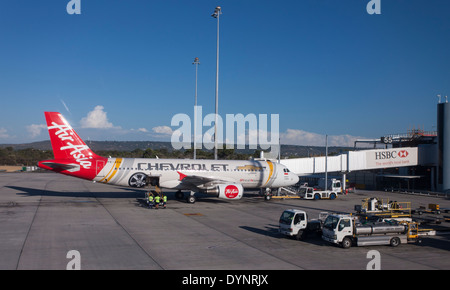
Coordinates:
[290,151]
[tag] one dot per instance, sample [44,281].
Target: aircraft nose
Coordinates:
[296,178]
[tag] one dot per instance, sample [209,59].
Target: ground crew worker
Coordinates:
[150,200]
[164,200]
[157,200]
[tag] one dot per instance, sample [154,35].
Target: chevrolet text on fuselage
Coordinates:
[222,178]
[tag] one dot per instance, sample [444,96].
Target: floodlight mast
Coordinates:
[216,15]
[196,63]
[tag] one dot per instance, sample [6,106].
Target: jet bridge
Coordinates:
[354,161]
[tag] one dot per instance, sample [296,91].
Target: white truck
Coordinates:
[346,230]
[316,193]
[295,223]
[333,183]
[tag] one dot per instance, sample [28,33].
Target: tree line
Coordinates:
[30,157]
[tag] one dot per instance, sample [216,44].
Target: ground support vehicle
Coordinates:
[432,208]
[347,230]
[295,223]
[376,209]
[308,192]
[316,194]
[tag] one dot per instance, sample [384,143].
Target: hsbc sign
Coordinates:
[391,154]
[391,157]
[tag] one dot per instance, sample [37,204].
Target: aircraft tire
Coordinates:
[190,199]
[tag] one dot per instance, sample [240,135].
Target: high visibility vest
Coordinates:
[165,198]
[150,198]
[157,199]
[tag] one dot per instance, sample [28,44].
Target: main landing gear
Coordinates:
[190,198]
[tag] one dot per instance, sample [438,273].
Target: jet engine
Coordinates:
[227,191]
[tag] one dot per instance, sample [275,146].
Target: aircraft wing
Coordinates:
[200,181]
[62,166]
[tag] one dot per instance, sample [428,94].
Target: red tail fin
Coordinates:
[72,155]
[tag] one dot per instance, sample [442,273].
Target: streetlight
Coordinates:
[216,15]
[196,63]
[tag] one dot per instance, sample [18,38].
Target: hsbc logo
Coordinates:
[391,154]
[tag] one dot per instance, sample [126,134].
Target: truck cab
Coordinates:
[295,223]
[333,184]
[292,223]
[338,228]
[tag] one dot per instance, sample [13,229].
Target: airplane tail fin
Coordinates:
[72,155]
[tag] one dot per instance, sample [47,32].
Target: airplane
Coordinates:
[225,179]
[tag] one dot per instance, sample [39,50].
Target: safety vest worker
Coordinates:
[157,199]
[164,200]
[150,200]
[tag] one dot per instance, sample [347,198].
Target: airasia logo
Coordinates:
[403,154]
[65,133]
[231,191]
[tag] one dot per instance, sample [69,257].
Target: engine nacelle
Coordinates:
[228,191]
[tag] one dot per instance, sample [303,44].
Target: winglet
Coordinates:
[182,176]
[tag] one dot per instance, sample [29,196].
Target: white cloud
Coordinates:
[3,133]
[301,137]
[165,130]
[96,119]
[35,129]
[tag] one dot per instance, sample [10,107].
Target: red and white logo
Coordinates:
[231,191]
[403,154]
[80,152]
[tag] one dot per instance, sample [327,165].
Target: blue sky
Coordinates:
[122,69]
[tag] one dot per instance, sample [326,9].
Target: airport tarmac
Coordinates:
[43,216]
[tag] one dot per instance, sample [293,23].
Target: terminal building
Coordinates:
[414,161]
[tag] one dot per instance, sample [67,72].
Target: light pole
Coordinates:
[216,15]
[196,63]
[326,162]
